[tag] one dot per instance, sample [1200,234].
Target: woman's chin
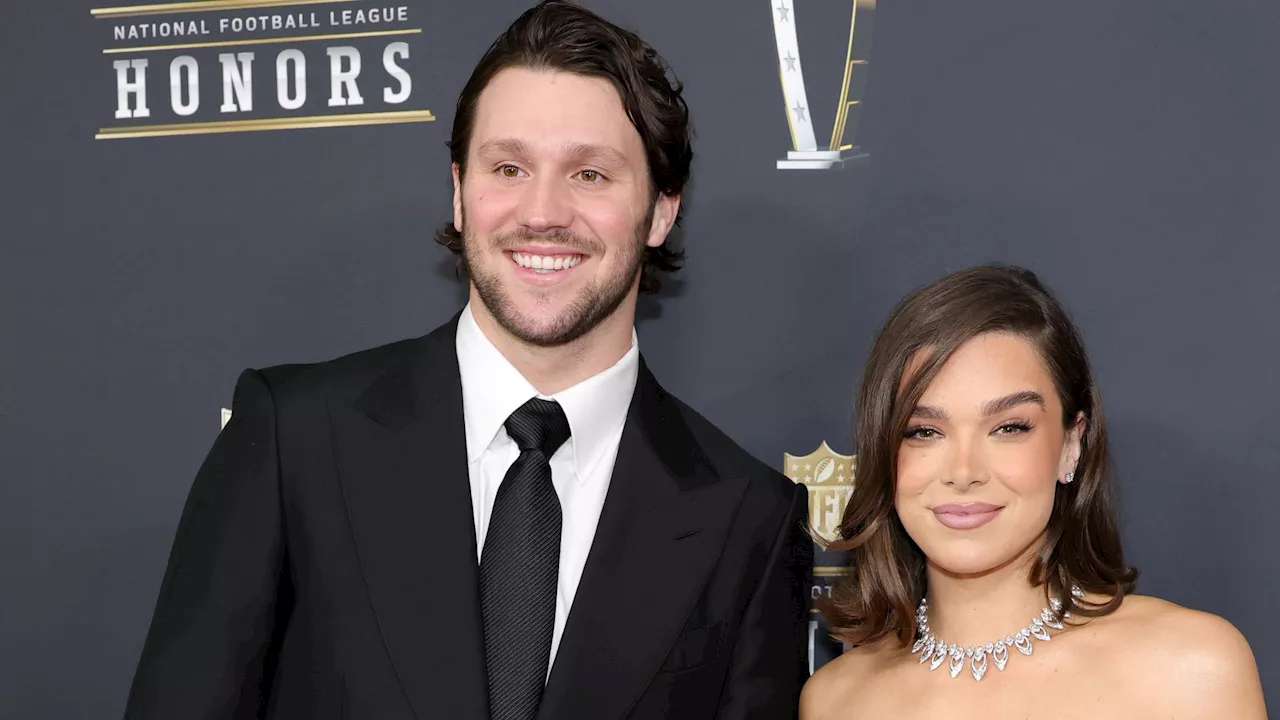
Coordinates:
[969,564]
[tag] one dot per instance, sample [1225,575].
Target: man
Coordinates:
[508,517]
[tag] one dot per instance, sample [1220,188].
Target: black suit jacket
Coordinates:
[325,563]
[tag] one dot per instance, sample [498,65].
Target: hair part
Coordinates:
[1081,544]
[561,36]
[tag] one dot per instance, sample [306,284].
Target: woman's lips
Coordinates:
[966,516]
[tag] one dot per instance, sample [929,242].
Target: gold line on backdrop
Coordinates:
[262,41]
[295,123]
[199,6]
[842,105]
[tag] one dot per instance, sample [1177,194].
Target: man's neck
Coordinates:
[553,369]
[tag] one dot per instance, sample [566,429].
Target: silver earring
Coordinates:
[1070,476]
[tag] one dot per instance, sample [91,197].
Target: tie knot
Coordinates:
[538,425]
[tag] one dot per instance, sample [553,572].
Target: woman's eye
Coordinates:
[1013,428]
[921,433]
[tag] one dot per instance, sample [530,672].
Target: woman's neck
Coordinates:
[978,609]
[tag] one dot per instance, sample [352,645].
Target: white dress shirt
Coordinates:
[596,408]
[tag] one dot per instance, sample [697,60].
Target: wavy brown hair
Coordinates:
[562,36]
[1081,544]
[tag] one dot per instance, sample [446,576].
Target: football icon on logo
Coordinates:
[823,471]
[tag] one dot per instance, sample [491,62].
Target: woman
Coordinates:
[988,579]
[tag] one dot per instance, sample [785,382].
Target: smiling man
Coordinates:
[509,517]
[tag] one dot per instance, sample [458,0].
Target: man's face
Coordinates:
[556,207]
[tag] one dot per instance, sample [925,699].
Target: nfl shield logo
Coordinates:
[828,475]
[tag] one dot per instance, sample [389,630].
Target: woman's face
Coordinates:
[982,456]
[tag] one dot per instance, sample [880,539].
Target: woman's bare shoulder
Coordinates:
[1169,626]
[830,689]
[1198,661]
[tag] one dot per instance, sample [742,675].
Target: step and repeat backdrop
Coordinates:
[197,187]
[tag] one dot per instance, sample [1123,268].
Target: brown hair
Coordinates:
[1081,545]
[559,35]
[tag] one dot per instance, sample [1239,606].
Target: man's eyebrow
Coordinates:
[593,151]
[505,146]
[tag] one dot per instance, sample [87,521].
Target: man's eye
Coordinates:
[590,176]
[509,171]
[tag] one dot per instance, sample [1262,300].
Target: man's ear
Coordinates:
[665,210]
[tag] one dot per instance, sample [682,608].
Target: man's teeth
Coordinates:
[545,262]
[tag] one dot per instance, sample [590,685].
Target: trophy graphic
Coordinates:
[805,154]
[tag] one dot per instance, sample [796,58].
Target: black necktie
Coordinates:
[520,564]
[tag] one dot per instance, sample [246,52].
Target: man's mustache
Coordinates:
[561,238]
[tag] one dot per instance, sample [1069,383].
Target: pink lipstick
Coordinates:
[966,516]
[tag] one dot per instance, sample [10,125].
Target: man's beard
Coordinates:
[594,303]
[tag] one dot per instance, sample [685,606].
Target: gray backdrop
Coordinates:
[1125,151]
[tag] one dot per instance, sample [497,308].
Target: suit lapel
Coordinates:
[661,529]
[401,455]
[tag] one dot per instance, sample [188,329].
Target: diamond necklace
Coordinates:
[934,649]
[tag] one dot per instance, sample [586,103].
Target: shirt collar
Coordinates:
[492,389]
